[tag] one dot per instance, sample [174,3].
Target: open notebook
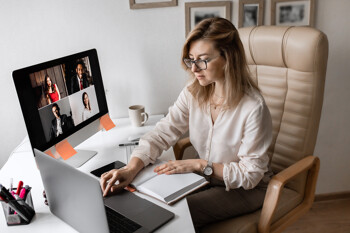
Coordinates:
[166,188]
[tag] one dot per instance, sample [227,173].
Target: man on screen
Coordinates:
[79,81]
[60,124]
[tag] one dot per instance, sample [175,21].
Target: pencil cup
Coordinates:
[19,212]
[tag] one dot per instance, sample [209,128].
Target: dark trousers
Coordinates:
[213,203]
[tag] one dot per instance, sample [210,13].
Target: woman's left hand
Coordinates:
[179,166]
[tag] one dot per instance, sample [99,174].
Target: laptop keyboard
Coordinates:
[119,223]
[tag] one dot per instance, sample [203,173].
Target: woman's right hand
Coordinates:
[124,176]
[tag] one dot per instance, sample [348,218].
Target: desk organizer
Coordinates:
[20,218]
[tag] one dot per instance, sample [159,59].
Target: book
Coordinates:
[166,188]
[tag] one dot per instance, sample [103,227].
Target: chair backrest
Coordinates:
[289,65]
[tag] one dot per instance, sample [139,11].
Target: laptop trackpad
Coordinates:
[139,210]
[127,204]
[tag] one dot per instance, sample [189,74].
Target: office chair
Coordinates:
[289,66]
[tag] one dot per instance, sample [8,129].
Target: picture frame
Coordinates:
[197,11]
[143,4]
[292,12]
[251,13]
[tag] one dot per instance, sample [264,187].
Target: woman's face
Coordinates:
[202,49]
[48,81]
[86,99]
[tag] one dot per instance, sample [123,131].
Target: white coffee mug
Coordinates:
[137,115]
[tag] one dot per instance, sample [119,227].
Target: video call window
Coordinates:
[65,96]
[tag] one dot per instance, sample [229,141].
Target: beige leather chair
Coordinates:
[289,65]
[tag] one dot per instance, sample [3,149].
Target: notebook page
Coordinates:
[146,174]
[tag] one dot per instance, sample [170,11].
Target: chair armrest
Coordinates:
[180,146]
[274,191]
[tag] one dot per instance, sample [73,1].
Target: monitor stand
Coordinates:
[81,157]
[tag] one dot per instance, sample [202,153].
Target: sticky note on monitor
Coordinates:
[65,149]
[106,122]
[48,152]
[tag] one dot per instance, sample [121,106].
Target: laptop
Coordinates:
[76,198]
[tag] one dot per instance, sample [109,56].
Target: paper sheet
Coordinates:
[50,153]
[65,150]
[106,122]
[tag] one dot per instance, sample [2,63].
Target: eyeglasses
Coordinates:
[200,64]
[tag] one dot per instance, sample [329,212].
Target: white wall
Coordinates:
[139,53]
[333,144]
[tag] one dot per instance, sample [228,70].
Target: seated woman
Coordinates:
[87,112]
[229,125]
[52,93]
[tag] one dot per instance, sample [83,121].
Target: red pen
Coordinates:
[19,187]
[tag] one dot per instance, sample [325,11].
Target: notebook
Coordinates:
[167,188]
[76,198]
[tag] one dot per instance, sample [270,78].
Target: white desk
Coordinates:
[21,166]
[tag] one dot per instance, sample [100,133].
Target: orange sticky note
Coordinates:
[130,189]
[50,153]
[106,122]
[65,149]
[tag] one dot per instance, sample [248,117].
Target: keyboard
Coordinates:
[119,223]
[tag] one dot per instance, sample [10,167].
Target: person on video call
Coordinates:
[87,112]
[229,125]
[52,93]
[60,124]
[79,81]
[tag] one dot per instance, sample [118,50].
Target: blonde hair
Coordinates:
[224,36]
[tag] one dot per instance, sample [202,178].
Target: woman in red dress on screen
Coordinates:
[52,93]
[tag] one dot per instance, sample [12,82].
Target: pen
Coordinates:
[129,144]
[23,193]
[11,184]
[19,187]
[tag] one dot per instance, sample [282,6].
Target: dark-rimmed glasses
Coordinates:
[199,63]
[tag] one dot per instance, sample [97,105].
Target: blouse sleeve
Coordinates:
[253,159]
[167,131]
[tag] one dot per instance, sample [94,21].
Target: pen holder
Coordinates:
[23,215]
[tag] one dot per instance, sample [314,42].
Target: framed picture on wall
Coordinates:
[141,4]
[292,13]
[197,11]
[251,13]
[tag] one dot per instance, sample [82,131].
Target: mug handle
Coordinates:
[145,117]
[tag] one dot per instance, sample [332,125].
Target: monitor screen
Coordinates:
[60,97]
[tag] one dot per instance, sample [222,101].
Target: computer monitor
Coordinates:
[62,99]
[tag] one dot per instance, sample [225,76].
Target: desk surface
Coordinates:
[21,166]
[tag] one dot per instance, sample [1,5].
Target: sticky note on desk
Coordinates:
[65,149]
[106,122]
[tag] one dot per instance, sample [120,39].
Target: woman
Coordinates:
[87,112]
[52,92]
[229,123]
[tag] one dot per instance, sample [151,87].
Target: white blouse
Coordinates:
[86,114]
[238,139]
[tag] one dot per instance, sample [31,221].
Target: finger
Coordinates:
[160,167]
[104,179]
[111,182]
[119,187]
[172,171]
[166,169]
